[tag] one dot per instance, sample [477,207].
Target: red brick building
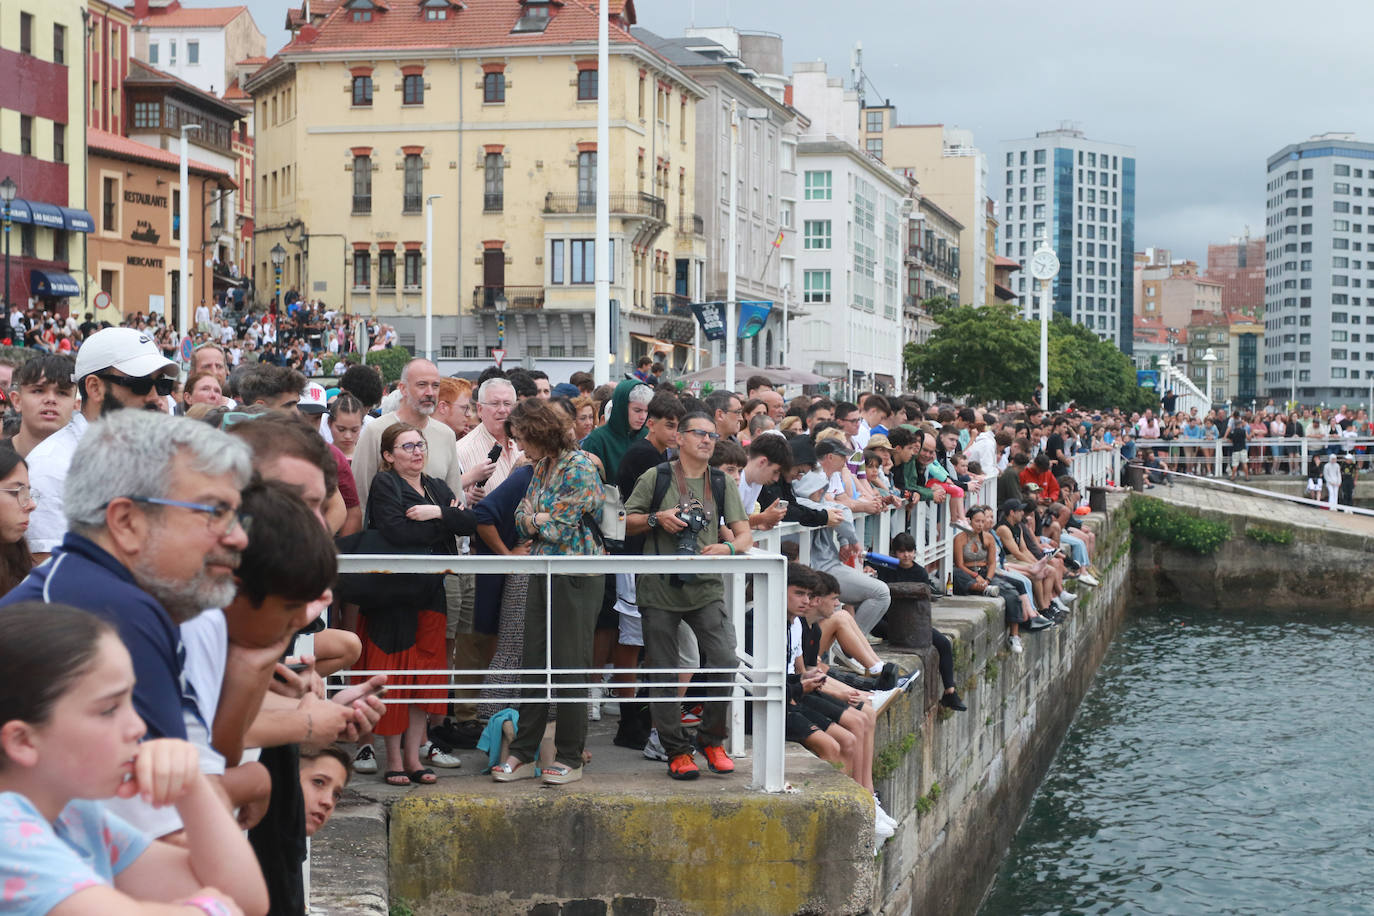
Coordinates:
[1238,266]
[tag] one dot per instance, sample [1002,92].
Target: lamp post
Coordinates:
[601,269]
[7,191]
[1209,358]
[1044,267]
[500,303]
[184,230]
[278,259]
[429,275]
[731,332]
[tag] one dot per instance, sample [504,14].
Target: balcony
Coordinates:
[678,323]
[645,205]
[691,224]
[522,298]
[493,203]
[671,304]
[362,203]
[411,203]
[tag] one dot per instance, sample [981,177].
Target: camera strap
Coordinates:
[672,470]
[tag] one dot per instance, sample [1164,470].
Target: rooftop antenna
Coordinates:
[856,70]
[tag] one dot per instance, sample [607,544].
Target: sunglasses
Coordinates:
[141,386]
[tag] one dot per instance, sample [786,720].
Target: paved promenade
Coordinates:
[1206,494]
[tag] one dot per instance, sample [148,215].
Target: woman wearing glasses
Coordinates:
[17,502]
[411,510]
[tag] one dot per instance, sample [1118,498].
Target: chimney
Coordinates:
[140,9]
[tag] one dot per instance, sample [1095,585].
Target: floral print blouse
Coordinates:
[565,487]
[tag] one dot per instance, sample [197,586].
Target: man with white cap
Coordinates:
[115,368]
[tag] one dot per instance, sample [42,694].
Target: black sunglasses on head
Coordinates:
[141,386]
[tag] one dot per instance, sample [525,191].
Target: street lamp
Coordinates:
[731,333]
[500,303]
[1209,357]
[429,275]
[7,191]
[184,233]
[278,259]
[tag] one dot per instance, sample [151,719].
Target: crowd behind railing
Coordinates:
[220,590]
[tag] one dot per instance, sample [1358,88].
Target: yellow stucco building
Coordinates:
[378,107]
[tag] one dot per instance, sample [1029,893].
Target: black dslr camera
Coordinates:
[694,516]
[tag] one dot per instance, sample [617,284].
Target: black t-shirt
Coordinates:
[1053,446]
[890,574]
[1237,436]
[1168,402]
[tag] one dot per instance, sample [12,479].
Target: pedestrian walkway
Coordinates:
[1211,495]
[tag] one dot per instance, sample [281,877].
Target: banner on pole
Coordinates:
[753,315]
[711,317]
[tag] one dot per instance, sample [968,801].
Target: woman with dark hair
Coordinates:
[411,510]
[346,422]
[17,502]
[565,491]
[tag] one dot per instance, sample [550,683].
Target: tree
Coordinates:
[392,361]
[1091,371]
[984,354]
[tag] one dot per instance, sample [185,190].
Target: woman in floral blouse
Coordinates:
[566,488]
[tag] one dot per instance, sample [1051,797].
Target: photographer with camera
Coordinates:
[681,506]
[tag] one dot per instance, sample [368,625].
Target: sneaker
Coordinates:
[1059,606]
[952,701]
[692,717]
[717,759]
[887,678]
[436,755]
[882,698]
[630,735]
[594,704]
[839,658]
[882,817]
[1069,598]
[1036,624]
[365,761]
[653,748]
[991,591]
[1016,645]
[882,830]
[1088,579]
[683,767]
[963,525]
[906,683]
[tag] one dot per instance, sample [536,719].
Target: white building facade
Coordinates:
[1319,265]
[201,45]
[1080,195]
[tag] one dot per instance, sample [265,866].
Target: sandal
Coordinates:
[397,778]
[424,777]
[560,774]
[507,773]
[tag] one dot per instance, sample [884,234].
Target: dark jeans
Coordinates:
[942,645]
[716,646]
[576,602]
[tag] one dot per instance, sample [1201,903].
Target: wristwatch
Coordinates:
[652,520]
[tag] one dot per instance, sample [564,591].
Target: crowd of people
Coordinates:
[171,596]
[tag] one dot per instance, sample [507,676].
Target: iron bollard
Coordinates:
[908,616]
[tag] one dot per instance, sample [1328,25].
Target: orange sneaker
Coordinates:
[683,767]
[717,759]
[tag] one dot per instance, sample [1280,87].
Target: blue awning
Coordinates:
[49,216]
[78,220]
[19,211]
[53,283]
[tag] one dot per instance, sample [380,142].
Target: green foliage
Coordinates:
[936,306]
[1167,524]
[990,670]
[399,907]
[1264,534]
[392,362]
[926,803]
[886,761]
[992,354]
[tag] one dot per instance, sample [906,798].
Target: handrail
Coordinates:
[1256,491]
[1303,444]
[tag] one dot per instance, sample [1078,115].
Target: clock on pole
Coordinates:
[1044,266]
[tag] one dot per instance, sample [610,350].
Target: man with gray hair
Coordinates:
[495,401]
[154,538]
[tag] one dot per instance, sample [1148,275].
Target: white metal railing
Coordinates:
[1193,455]
[1189,395]
[1095,469]
[1324,503]
[761,672]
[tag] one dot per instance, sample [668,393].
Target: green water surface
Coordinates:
[1221,763]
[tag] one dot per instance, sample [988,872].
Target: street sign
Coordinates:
[498,354]
[186,348]
[102,300]
[696,386]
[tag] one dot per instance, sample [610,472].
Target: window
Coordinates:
[493,198]
[25,33]
[152,52]
[874,147]
[556,253]
[28,241]
[1039,157]
[192,52]
[25,135]
[817,235]
[1342,170]
[362,270]
[818,186]
[785,214]
[583,260]
[586,85]
[59,49]
[494,89]
[874,122]
[586,179]
[413,274]
[59,142]
[816,285]
[362,184]
[172,52]
[413,89]
[386,270]
[147,114]
[362,15]
[415,187]
[362,90]
[109,206]
[1340,337]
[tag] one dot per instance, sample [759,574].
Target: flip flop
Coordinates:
[392,776]
[424,777]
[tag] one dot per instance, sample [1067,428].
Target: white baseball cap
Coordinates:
[129,350]
[313,399]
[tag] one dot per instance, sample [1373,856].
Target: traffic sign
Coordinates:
[186,348]
[102,300]
[498,354]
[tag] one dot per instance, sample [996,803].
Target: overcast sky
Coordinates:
[1205,91]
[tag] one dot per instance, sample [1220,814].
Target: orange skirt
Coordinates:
[428,653]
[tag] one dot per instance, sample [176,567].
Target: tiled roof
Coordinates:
[480,24]
[1006,262]
[192,18]
[235,93]
[102,141]
[259,61]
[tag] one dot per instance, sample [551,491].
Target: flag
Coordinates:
[777,242]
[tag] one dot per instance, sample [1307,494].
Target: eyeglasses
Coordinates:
[498,405]
[141,386]
[703,433]
[220,518]
[412,447]
[22,493]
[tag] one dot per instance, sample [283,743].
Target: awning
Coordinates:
[37,213]
[78,220]
[53,283]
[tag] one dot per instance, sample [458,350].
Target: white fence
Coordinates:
[1210,455]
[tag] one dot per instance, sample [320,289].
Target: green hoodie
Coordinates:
[610,441]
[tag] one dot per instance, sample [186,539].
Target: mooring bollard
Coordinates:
[908,616]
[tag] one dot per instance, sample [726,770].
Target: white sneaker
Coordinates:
[991,591]
[906,683]
[1068,597]
[839,658]
[882,831]
[365,761]
[1088,579]
[594,704]
[881,698]
[882,817]
[1016,644]
[438,757]
[653,748]
[1059,605]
